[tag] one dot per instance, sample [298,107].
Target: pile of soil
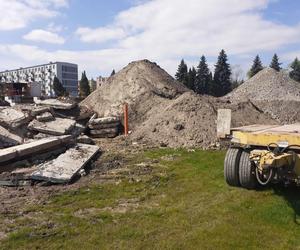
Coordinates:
[162,111]
[267,85]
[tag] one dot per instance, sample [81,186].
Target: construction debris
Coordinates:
[59,126]
[32,148]
[11,117]
[105,127]
[67,165]
[55,103]
[8,139]
[45,117]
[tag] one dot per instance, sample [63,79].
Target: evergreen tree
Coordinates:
[203,78]
[275,63]
[256,67]
[113,73]
[191,78]
[58,88]
[295,72]
[84,86]
[182,73]
[221,84]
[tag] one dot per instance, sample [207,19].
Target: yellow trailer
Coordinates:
[260,154]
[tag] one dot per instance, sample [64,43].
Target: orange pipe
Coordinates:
[126,119]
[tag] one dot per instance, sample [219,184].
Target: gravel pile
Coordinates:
[267,85]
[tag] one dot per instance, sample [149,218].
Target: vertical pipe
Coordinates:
[125,119]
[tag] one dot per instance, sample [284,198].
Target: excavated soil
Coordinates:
[162,112]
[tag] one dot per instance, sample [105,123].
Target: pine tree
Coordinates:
[58,88]
[191,78]
[295,72]
[256,67]
[203,78]
[113,73]
[221,84]
[275,63]
[84,86]
[182,73]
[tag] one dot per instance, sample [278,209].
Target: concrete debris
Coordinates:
[8,139]
[85,140]
[39,110]
[45,117]
[13,118]
[105,127]
[55,103]
[36,147]
[59,126]
[67,165]
[78,129]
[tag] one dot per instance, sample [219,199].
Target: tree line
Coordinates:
[202,81]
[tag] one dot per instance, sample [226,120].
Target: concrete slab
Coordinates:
[8,139]
[105,125]
[104,120]
[104,131]
[55,103]
[67,165]
[59,126]
[45,117]
[32,148]
[39,110]
[12,117]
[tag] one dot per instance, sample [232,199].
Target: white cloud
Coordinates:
[168,30]
[45,36]
[18,13]
[100,35]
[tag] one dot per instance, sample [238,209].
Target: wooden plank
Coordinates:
[254,128]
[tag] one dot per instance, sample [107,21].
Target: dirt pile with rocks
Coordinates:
[135,84]
[162,111]
[267,85]
[273,93]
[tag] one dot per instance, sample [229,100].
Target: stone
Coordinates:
[67,165]
[45,117]
[59,126]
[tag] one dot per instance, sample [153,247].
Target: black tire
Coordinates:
[231,166]
[247,172]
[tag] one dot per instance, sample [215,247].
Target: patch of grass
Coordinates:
[189,206]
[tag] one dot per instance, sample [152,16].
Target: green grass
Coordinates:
[184,204]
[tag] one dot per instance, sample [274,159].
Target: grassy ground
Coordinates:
[183,203]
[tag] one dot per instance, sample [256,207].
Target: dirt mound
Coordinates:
[190,121]
[267,85]
[135,84]
[162,111]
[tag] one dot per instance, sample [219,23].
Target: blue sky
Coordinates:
[102,35]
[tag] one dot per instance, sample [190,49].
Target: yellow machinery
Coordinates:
[260,154]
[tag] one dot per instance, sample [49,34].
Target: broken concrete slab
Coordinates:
[45,117]
[8,139]
[55,103]
[78,129]
[59,126]
[39,110]
[85,139]
[67,165]
[104,131]
[104,120]
[105,125]
[13,118]
[32,148]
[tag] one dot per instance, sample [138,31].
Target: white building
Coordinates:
[44,74]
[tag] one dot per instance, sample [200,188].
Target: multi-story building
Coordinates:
[44,75]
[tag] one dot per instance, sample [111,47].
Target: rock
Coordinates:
[178,127]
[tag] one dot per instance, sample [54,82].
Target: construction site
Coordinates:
[139,164]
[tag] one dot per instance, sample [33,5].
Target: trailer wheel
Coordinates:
[231,166]
[247,172]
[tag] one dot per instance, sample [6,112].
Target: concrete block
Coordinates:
[59,126]
[12,117]
[103,126]
[55,103]
[104,131]
[45,117]
[32,148]
[39,110]
[67,165]
[9,139]
[104,120]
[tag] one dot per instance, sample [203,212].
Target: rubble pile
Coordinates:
[106,127]
[39,142]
